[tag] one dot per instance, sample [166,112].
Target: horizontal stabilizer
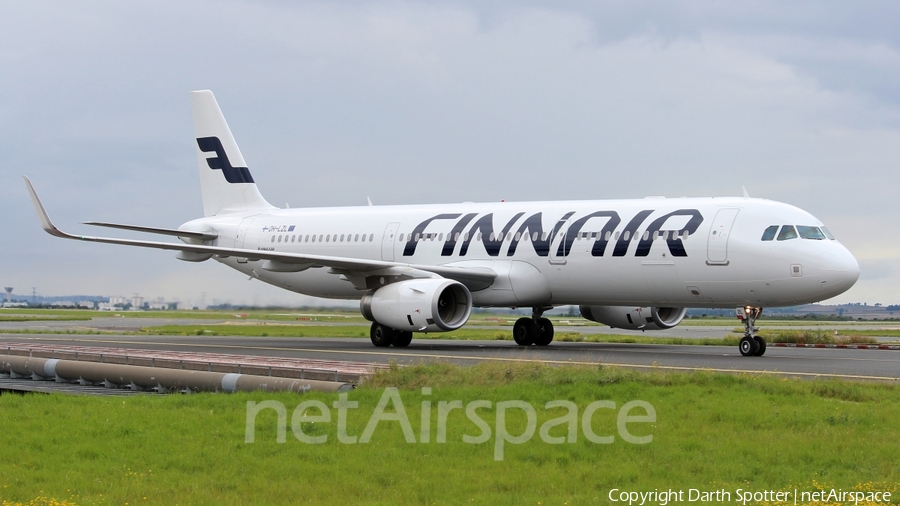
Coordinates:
[203,236]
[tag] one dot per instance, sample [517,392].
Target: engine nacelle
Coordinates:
[635,318]
[419,305]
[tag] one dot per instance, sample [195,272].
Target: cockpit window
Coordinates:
[810,233]
[787,232]
[770,232]
[827,233]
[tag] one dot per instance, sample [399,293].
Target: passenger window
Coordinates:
[371,237]
[279,238]
[787,232]
[441,237]
[293,238]
[626,235]
[646,235]
[607,236]
[810,233]
[356,238]
[273,238]
[770,232]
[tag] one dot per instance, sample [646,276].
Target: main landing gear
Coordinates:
[534,330]
[383,336]
[751,345]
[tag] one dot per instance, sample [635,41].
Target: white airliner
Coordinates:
[631,264]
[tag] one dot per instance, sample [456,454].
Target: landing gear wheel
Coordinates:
[403,338]
[382,336]
[524,331]
[748,346]
[761,343]
[545,332]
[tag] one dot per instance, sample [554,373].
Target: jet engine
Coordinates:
[419,305]
[635,318]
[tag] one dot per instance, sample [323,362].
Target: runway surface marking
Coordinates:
[499,359]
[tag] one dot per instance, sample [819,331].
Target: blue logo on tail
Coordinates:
[220,161]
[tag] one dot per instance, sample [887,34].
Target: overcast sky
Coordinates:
[424,102]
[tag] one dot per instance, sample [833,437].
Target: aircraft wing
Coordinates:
[203,236]
[474,278]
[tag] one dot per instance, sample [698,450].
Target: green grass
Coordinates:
[40,318]
[814,336]
[270,330]
[870,332]
[712,431]
[336,315]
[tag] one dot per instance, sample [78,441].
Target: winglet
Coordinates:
[44,218]
[746,195]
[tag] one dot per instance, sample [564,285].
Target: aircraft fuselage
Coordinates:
[685,252]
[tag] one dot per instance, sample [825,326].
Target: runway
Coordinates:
[687,331]
[881,365]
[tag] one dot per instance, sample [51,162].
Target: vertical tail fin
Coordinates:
[225,181]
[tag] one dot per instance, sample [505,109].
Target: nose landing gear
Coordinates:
[751,345]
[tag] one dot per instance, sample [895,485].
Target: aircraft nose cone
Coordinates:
[839,270]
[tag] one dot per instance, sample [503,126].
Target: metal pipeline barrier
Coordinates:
[155,378]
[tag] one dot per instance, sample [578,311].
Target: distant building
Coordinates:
[118,300]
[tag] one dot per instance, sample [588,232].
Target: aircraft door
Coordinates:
[388,241]
[719,232]
[557,256]
[241,235]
